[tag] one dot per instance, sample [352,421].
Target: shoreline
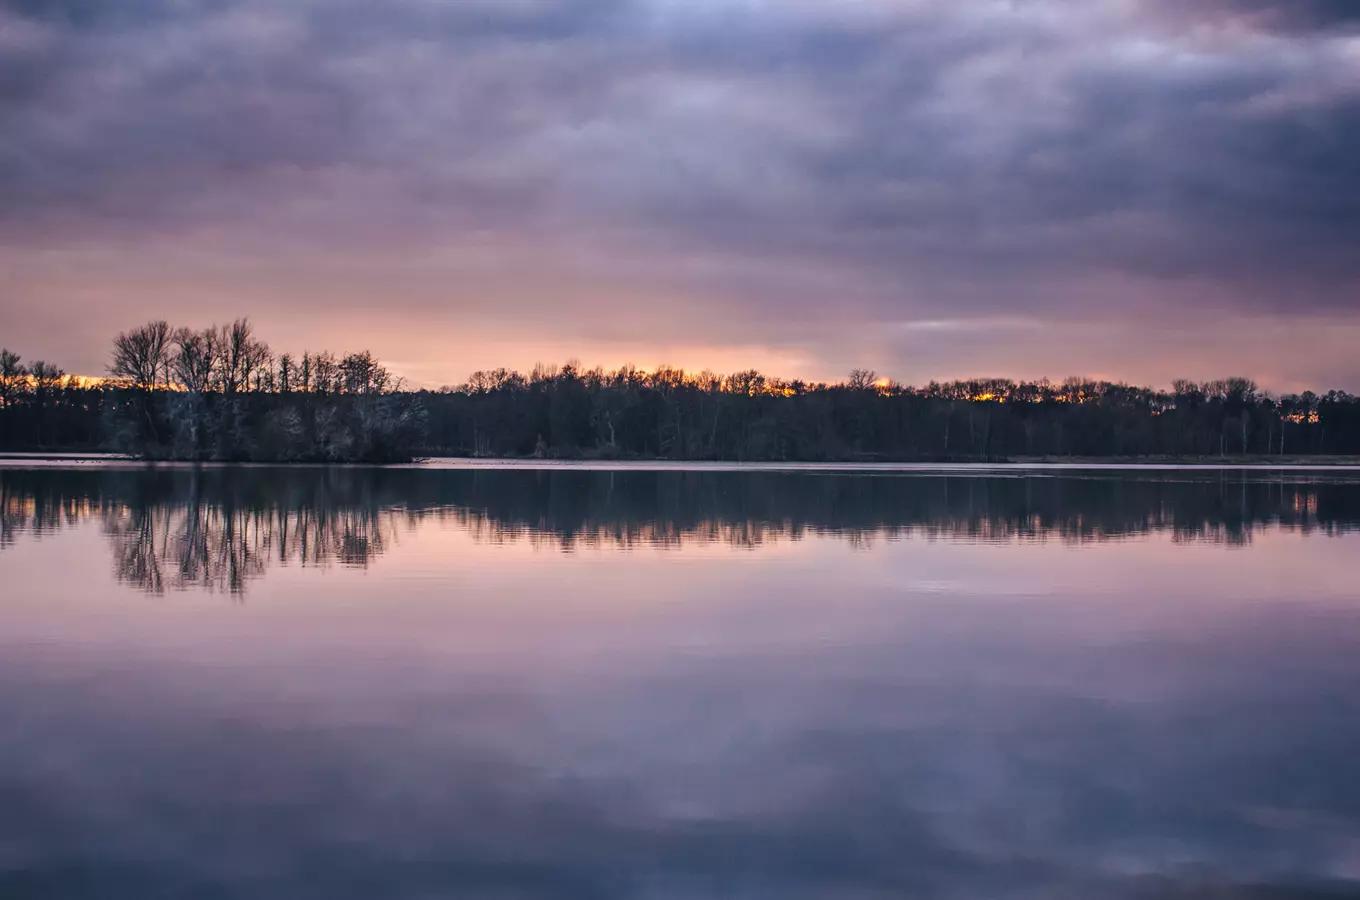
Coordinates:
[1014,464]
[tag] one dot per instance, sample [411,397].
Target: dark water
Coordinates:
[255,683]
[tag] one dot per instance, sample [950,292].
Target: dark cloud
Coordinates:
[927,774]
[1276,15]
[979,158]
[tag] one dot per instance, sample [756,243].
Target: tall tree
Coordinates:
[240,355]
[195,359]
[142,355]
[13,377]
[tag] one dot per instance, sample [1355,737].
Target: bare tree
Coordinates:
[862,379]
[142,355]
[749,383]
[46,379]
[13,377]
[46,376]
[325,373]
[195,359]
[240,357]
[360,373]
[261,369]
[286,373]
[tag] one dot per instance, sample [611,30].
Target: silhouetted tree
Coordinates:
[218,393]
[13,377]
[142,356]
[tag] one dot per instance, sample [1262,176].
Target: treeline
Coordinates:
[217,394]
[569,412]
[221,394]
[41,407]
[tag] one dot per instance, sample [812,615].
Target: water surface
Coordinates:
[497,682]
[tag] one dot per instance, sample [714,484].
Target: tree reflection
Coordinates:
[211,530]
[222,548]
[219,529]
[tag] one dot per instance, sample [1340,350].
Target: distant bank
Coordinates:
[220,395]
[521,462]
[1301,460]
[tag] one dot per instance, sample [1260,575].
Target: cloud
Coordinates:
[1056,769]
[905,160]
[1275,15]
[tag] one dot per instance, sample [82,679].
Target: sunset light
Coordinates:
[679,449]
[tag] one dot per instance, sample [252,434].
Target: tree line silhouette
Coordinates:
[221,394]
[213,394]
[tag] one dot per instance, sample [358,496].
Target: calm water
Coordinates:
[413,683]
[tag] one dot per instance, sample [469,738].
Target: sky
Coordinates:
[1133,189]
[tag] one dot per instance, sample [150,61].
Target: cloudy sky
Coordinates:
[1135,189]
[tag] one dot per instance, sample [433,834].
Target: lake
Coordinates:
[674,682]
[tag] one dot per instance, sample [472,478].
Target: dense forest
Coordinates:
[221,394]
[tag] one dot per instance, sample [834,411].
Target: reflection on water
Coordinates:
[219,528]
[564,684]
[215,531]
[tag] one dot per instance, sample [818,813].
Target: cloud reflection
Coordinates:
[614,725]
